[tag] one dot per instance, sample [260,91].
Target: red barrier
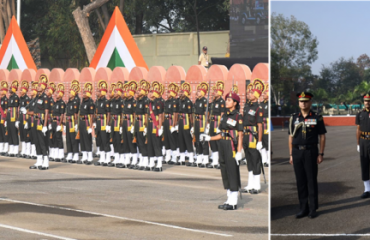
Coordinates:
[88,75]
[328,120]
[42,71]
[239,73]
[138,73]
[156,73]
[120,74]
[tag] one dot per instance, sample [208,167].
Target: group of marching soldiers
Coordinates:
[134,126]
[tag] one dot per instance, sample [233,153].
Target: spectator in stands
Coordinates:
[204,58]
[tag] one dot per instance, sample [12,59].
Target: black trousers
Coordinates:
[185,140]
[32,131]
[154,143]
[200,146]
[306,169]
[365,159]
[102,138]
[3,137]
[85,137]
[12,131]
[57,136]
[23,133]
[72,145]
[265,141]
[229,169]
[116,139]
[170,139]
[127,146]
[40,144]
[252,155]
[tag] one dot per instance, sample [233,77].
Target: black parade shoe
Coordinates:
[158,169]
[230,207]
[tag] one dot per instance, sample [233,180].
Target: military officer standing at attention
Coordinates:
[116,106]
[31,117]
[56,132]
[110,140]
[265,127]
[72,109]
[87,110]
[78,100]
[170,136]
[252,141]
[102,126]
[4,108]
[229,134]
[217,108]
[24,100]
[128,147]
[41,113]
[305,129]
[12,119]
[363,143]
[142,104]
[184,123]
[200,108]
[154,129]
[49,93]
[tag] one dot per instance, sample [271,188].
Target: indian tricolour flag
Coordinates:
[117,47]
[14,53]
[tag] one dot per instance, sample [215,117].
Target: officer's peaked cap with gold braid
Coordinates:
[43,81]
[204,87]
[25,86]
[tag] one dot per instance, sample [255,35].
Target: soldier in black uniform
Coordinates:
[252,141]
[142,104]
[217,108]
[154,127]
[200,107]
[102,126]
[72,109]
[41,112]
[78,100]
[4,108]
[87,110]
[24,100]
[265,127]
[59,108]
[116,106]
[30,126]
[230,135]
[171,107]
[363,143]
[49,93]
[12,119]
[129,148]
[184,123]
[305,128]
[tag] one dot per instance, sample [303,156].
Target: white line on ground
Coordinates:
[35,232]
[322,235]
[118,217]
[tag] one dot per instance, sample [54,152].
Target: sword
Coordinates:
[206,116]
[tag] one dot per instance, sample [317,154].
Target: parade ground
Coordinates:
[342,213]
[71,201]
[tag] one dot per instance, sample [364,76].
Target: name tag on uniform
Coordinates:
[141,105]
[85,107]
[183,106]
[57,106]
[129,106]
[153,107]
[231,122]
[39,101]
[169,106]
[101,105]
[200,105]
[216,106]
[310,121]
[296,122]
[116,106]
[252,112]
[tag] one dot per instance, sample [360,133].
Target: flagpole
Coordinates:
[19,12]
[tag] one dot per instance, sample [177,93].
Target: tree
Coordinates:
[363,62]
[320,97]
[7,10]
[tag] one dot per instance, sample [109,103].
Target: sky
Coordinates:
[342,28]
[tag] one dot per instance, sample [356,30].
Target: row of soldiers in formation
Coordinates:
[135,128]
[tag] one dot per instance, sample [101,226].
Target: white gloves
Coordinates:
[5,124]
[238,157]
[192,131]
[23,110]
[50,127]
[59,128]
[132,129]
[218,130]
[204,137]
[89,131]
[174,129]
[207,129]
[358,148]
[44,130]
[120,130]
[94,125]
[259,146]
[17,124]
[160,131]
[144,133]
[76,128]
[107,129]
[64,128]
[26,125]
